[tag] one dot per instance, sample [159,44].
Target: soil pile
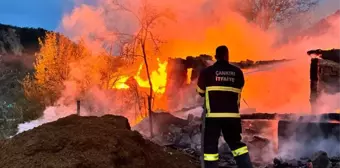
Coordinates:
[86,142]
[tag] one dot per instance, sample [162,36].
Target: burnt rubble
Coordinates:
[76,141]
[185,135]
[319,159]
[187,138]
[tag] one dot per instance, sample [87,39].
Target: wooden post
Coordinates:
[150,117]
[314,78]
[78,107]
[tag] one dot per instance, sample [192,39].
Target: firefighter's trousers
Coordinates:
[231,129]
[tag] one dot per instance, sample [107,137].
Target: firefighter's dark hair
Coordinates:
[222,52]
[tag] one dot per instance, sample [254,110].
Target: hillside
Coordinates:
[19,41]
[17,48]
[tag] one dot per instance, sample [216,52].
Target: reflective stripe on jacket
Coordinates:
[221,84]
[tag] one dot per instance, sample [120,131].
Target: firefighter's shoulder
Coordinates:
[207,70]
[236,68]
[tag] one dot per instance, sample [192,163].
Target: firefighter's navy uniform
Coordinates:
[221,85]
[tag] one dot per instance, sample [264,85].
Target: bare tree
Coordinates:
[267,12]
[144,44]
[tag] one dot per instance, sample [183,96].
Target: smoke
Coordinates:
[302,139]
[321,134]
[294,148]
[195,27]
[328,103]
[324,9]
[95,102]
[50,114]
[102,19]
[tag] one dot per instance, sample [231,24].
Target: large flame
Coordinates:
[158,78]
[198,27]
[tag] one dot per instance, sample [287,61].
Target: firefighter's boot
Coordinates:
[243,161]
[210,164]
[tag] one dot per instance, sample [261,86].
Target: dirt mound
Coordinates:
[86,142]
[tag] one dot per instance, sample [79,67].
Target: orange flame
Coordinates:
[189,72]
[120,83]
[158,78]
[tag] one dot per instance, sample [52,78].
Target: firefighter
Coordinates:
[221,85]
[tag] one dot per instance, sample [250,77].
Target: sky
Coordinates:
[48,13]
[34,13]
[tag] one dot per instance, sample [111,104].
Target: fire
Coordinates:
[216,23]
[189,72]
[120,83]
[158,78]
